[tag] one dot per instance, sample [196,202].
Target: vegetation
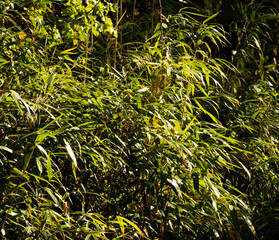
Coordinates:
[139,119]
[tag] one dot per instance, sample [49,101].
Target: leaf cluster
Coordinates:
[155,122]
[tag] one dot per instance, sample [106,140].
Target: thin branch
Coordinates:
[161,18]
[134,9]
[116,28]
[152,19]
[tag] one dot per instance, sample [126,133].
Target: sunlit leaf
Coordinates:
[71,153]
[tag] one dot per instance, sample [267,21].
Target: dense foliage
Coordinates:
[139,119]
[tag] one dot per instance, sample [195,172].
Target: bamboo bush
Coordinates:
[105,138]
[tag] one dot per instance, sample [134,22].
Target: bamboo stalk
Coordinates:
[120,32]
[86,56]
[152,19]
[161,19]
[116,28]
[133,20]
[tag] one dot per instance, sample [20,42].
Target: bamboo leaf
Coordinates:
[69,51]
[19,173]
[71,153]
[49,168]
[189,125]
[211,17]
[121,224]
[132,224]
[6,149]
[40,138]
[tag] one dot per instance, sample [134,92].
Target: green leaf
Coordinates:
[69,51]
[39,164]
[189,125]
[19,173]
[27,159]
[51,194]
[49,168]
[206,112]
[175,186]
[211,17]
[71,153]
[131,223]
[164,25]
[40,138]
[121,224]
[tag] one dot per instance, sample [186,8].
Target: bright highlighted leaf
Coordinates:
[71,153]
[69,51]
[6,149]
[119,218]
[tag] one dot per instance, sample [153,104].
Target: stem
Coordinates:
[152,14]
[133,21]
[86,56]
[120,32]
[92,45]
[115,46]
[161,19]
